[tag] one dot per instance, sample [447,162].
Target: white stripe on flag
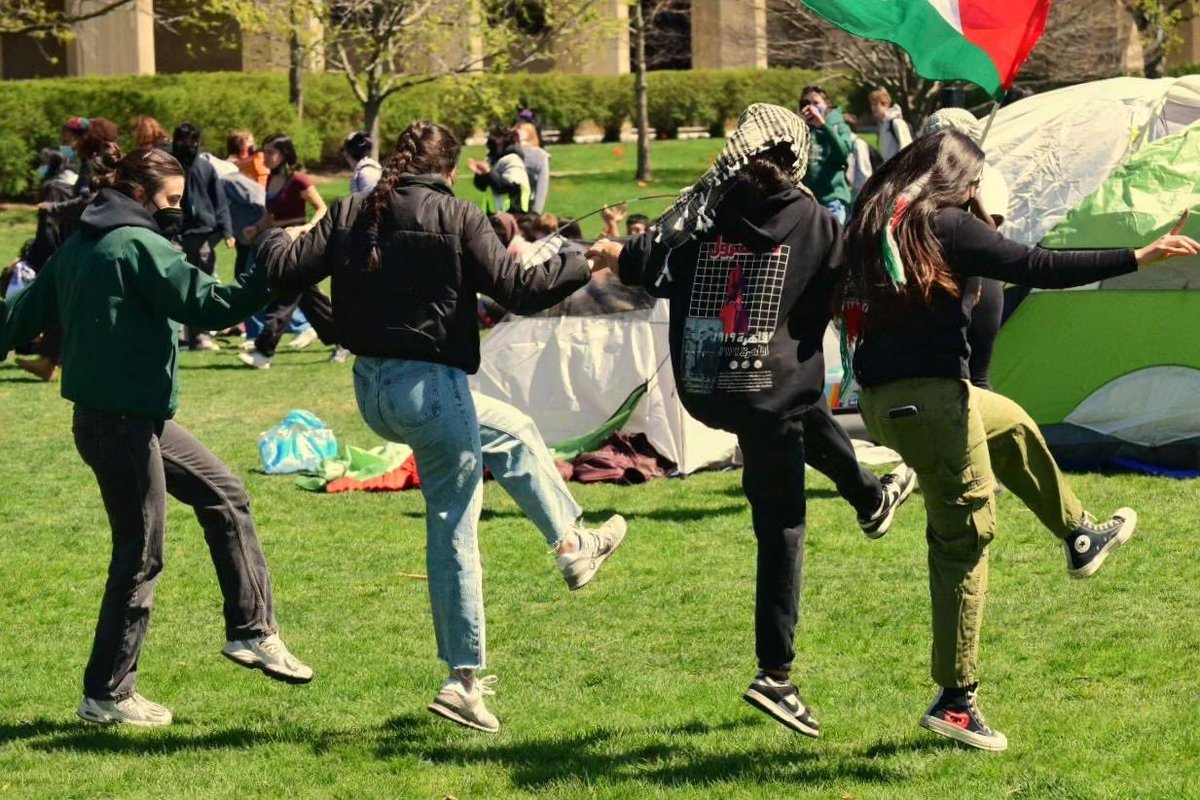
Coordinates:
[949,10]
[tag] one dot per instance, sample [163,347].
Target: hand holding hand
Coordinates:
[1172,245]
[604,254]
[296,231]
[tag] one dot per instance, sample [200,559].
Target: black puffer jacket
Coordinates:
[437,252]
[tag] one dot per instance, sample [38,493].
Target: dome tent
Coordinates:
[571,367]
[1111,372]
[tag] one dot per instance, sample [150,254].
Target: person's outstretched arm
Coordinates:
[292,264]
[500,275]
[184,293]
[32,311]
[974,248]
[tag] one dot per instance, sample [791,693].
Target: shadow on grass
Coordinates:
[810,492]
[667,756]
[54,736]
[596,515]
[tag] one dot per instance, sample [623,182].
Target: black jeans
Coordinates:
[774,455]
[828,449]
[983,330]
[316,307]
[137,463]
[773,479]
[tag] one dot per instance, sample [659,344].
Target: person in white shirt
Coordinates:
[367,170]
[894,133]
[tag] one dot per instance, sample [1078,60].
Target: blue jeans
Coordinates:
[430,408]
[838,209]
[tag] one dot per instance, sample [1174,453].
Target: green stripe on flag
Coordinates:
[938,51]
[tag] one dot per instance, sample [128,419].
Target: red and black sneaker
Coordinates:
[955,716]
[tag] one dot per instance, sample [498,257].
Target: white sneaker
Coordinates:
[304,338]
[133,710]
[578,568]
[205,343]
[270,655]
[339,356]
[465,706]
[255,359]
[247,345]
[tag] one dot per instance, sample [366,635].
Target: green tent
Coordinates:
[1111,372]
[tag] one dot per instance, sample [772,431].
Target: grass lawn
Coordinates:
[629,689]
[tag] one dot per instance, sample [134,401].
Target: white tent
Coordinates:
[1055,149]
[571,368]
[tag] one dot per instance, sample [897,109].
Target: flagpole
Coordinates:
[991,118]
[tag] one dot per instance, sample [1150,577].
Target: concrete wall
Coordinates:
[729,34]
[120,42]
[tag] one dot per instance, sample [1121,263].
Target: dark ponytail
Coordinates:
[771,171]
[422,148]
[142,171]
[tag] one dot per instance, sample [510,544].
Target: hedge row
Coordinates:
[219,102]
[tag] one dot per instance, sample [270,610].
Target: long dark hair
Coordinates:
[423,148]
[770,172]
[283,144]
[144,170]
[953,163]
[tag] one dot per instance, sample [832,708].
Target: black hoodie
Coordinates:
[749,305]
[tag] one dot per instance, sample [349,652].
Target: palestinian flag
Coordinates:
[981,41]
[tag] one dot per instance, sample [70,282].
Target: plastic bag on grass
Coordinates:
[299,443]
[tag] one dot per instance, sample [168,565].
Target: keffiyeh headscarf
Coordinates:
[954,119]
[761,127]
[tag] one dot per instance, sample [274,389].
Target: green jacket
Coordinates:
[828,158]
[120,291]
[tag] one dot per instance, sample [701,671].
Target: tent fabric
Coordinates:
[571,373]
[1055,149]
[1060,347]
[1151,407]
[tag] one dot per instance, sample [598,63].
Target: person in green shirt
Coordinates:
[120,291]
[832,142]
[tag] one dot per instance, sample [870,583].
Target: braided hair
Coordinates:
[422,148]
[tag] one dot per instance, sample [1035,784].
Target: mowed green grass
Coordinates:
[628,689]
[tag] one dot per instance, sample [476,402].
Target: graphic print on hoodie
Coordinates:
[732,314]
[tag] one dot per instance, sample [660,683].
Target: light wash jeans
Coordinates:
[430,408]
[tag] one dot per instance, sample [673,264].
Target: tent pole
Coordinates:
[991,118]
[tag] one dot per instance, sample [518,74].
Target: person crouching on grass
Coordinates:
[748,259]
[915,258]
[119,290]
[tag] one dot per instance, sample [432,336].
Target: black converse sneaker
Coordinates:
[955,716]
[1090,543]
[897,486]
[781,700]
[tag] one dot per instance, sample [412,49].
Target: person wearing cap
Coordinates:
[367,171]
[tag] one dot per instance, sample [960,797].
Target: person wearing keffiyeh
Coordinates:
[914,256]
[747,259]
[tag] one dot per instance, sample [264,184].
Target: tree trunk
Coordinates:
[640,93]
[296,71]
[371,110]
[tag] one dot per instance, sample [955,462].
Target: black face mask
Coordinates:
[169,220]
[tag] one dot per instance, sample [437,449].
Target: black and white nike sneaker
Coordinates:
[897,486]
[955,716]
[780,700]
[1090,543]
